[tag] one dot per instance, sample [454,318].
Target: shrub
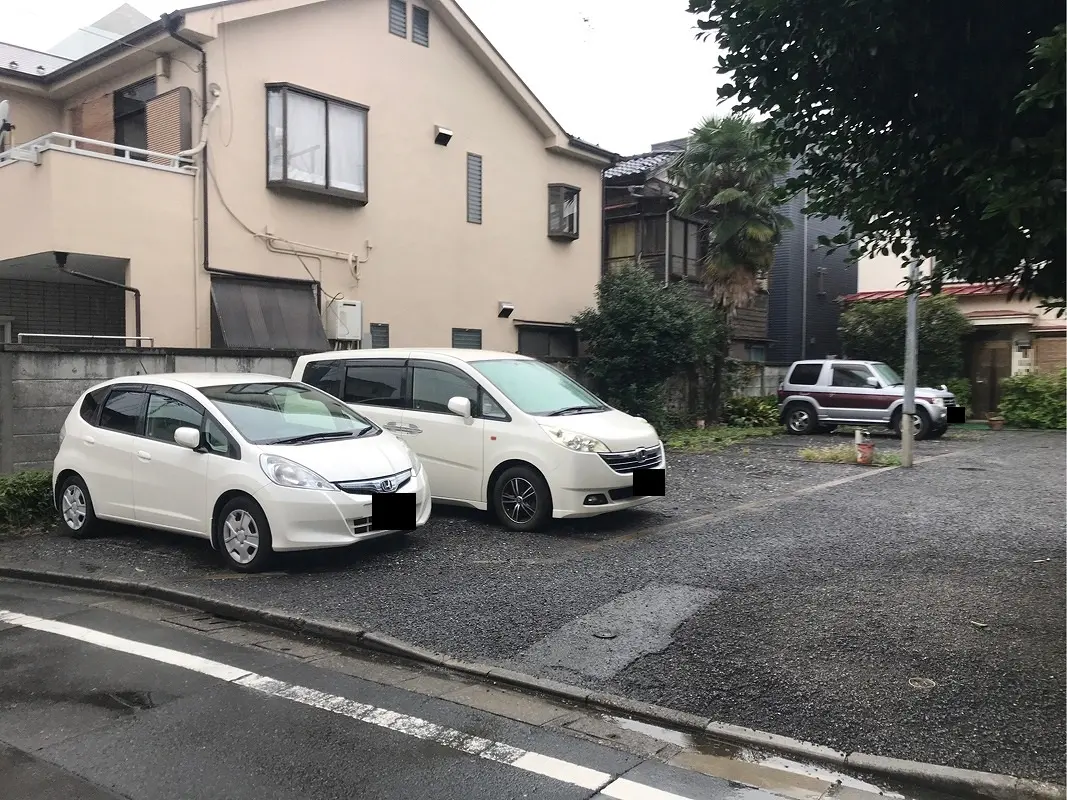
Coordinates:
[1035,400]
[961,387]
[25,498]
[751,412]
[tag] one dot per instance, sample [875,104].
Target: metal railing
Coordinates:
[69,143]
[82,336]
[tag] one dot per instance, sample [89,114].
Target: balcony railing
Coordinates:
[79,145]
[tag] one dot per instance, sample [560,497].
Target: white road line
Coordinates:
[527,760]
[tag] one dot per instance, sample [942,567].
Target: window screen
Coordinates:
[398,18]
[467,338]
[379,334]
[805,374]
[474,189]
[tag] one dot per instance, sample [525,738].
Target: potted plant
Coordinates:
[995,420]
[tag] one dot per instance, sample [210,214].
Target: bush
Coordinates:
[25,498]
[961,387]
[751,412]
[1035,400]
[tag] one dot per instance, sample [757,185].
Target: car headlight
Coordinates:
[574,441]
[284,472]
[939,401]
[416,465]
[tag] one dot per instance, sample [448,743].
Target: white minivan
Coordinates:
[496,430]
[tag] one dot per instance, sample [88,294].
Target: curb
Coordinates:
[983,784]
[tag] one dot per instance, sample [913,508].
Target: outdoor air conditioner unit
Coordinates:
[343,320]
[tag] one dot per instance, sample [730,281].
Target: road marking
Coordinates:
[527,760]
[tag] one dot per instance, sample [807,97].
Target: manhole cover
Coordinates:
[921,683]
[605,634]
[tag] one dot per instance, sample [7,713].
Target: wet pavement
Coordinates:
[106,698]
[762,591]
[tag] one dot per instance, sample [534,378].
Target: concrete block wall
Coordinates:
[39,385]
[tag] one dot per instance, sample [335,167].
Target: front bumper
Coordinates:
[309,519]
[586,476]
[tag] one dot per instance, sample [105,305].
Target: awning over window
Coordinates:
[264,315]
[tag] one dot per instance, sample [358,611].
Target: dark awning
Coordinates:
[265,315]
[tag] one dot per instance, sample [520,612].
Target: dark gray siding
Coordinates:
[62,308]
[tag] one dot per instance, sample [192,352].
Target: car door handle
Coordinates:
[90,440]
[415,429]
[144,455]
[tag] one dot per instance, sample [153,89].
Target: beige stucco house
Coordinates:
[279,173]
[1010,335]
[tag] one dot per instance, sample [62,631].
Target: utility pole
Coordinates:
[911,353]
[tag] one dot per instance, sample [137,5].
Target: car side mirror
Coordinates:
[461,407]
[872,382]
[187,437]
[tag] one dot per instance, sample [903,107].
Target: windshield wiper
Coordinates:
[366,432]
[575,410]
[314,437]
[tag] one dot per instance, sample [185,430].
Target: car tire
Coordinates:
[800,419]
[76,507]
[937,433]
[242,534]
[521,499]
[923,419]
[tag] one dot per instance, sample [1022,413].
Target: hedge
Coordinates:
[25,498]
[1035,400]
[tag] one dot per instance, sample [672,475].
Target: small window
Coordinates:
[563,211]
[805,374]
[123,411]
[91,404]
[398,18]
[467,338]
[851,377]
[316,143]
[379,334]
[217,440]
[325,375]
[548,342]
[757,353]
[654,235]
[375,384]
[167,414]
[433,387]
[420,26]
[622,240]
[491,409]
[474,189]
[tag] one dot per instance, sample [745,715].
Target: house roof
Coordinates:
[26,62]
[469,34]
[962,289]
[640,164]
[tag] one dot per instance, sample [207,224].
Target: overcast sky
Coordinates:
[620,73]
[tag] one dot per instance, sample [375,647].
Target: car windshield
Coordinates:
[887,375]
[286,413]
[539,389]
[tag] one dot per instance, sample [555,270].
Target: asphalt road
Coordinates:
[97,704]
[762,591]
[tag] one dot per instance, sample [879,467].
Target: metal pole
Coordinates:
[911,352]
[804,301]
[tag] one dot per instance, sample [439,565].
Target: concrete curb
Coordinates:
[983,784]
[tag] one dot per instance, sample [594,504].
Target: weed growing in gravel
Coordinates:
[846,454]
[707,440]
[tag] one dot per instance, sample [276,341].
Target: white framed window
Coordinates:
[316,143]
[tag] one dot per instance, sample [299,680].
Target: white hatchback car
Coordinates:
[254,463]
[497,430]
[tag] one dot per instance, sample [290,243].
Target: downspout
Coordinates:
[61,262]
[667,246]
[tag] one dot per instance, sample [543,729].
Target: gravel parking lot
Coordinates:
[762,591]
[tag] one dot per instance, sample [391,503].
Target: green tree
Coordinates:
[875,331]
[640,335]
[728,176]
[936,126]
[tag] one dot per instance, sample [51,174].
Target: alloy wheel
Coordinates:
[74,507]
[240,536]
[798,420]
[519,500]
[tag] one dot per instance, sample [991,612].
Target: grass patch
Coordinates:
[708,440]
[846,454]
[25,499]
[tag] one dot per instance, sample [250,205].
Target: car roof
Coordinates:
[198,380]
[459,354]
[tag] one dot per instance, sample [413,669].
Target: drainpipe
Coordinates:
[667,244]
[61,262]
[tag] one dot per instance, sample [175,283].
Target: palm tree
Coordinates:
[728,175]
